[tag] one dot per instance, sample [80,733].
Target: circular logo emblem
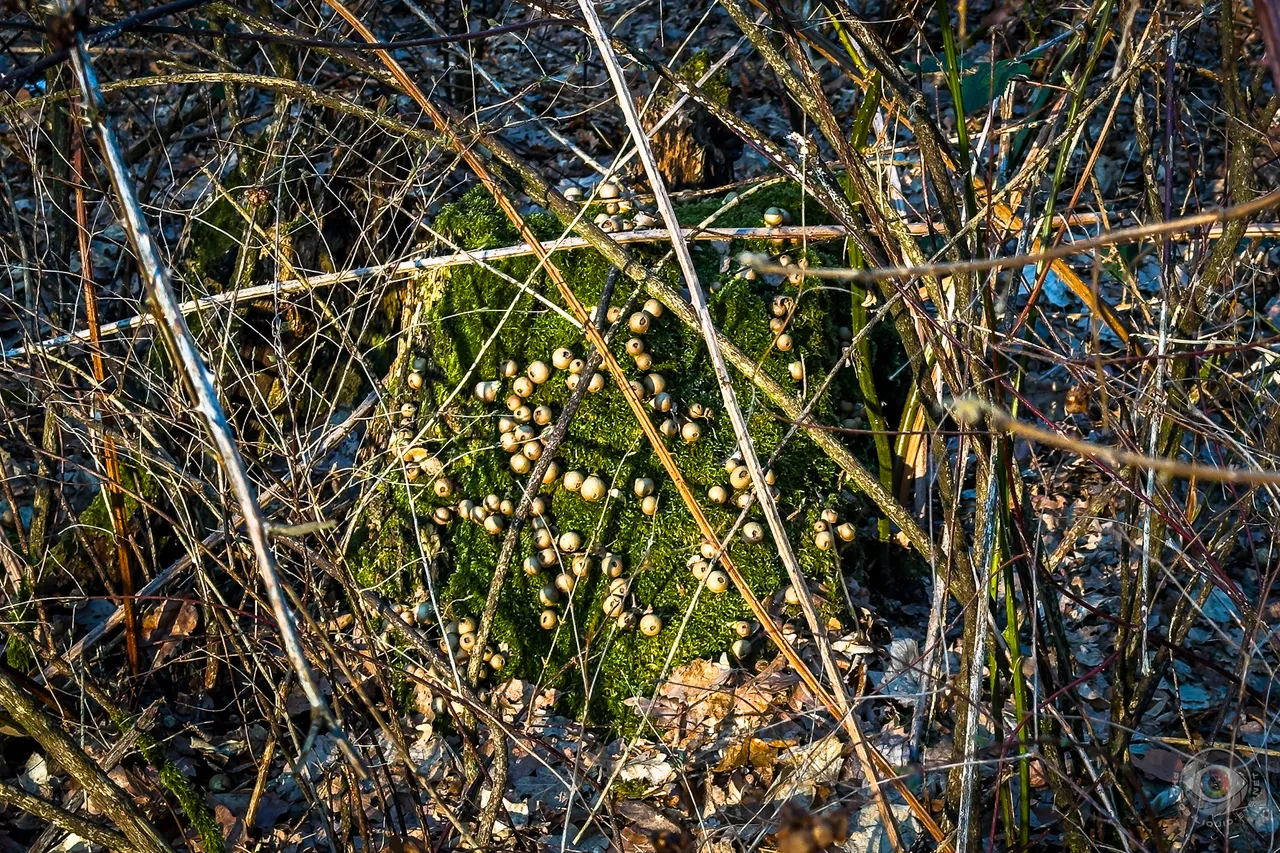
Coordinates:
[1215,782]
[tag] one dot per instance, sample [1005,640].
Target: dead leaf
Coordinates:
[168,625]
[232,826]
[645,819]
[752,752]
[1158,763]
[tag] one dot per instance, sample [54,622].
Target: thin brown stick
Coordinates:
[111,482]
[1117,237]
[972,410]
[45,810]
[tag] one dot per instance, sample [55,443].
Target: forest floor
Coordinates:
[1002,576]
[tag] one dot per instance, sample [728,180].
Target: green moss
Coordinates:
[717,88]
[17,653]
[216,234]
[478,321]
[749,212]
[629,789]
[181,788]
[96,527]
[475,221]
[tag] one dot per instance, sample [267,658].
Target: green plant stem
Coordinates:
[1019,699]
[952,58]
[1103,17]
[862,368]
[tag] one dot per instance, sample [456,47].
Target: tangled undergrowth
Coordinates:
[379,469]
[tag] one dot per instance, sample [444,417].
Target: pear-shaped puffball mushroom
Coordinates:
[549,620]
[549,595]
[538,372]
[593,488]
[752,533]
[717,581]
[651,625]
[611,565]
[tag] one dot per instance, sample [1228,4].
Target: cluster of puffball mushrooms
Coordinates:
[522,434]
[616,203]
[459,641]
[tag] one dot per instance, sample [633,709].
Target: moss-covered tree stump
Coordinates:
[463,376]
